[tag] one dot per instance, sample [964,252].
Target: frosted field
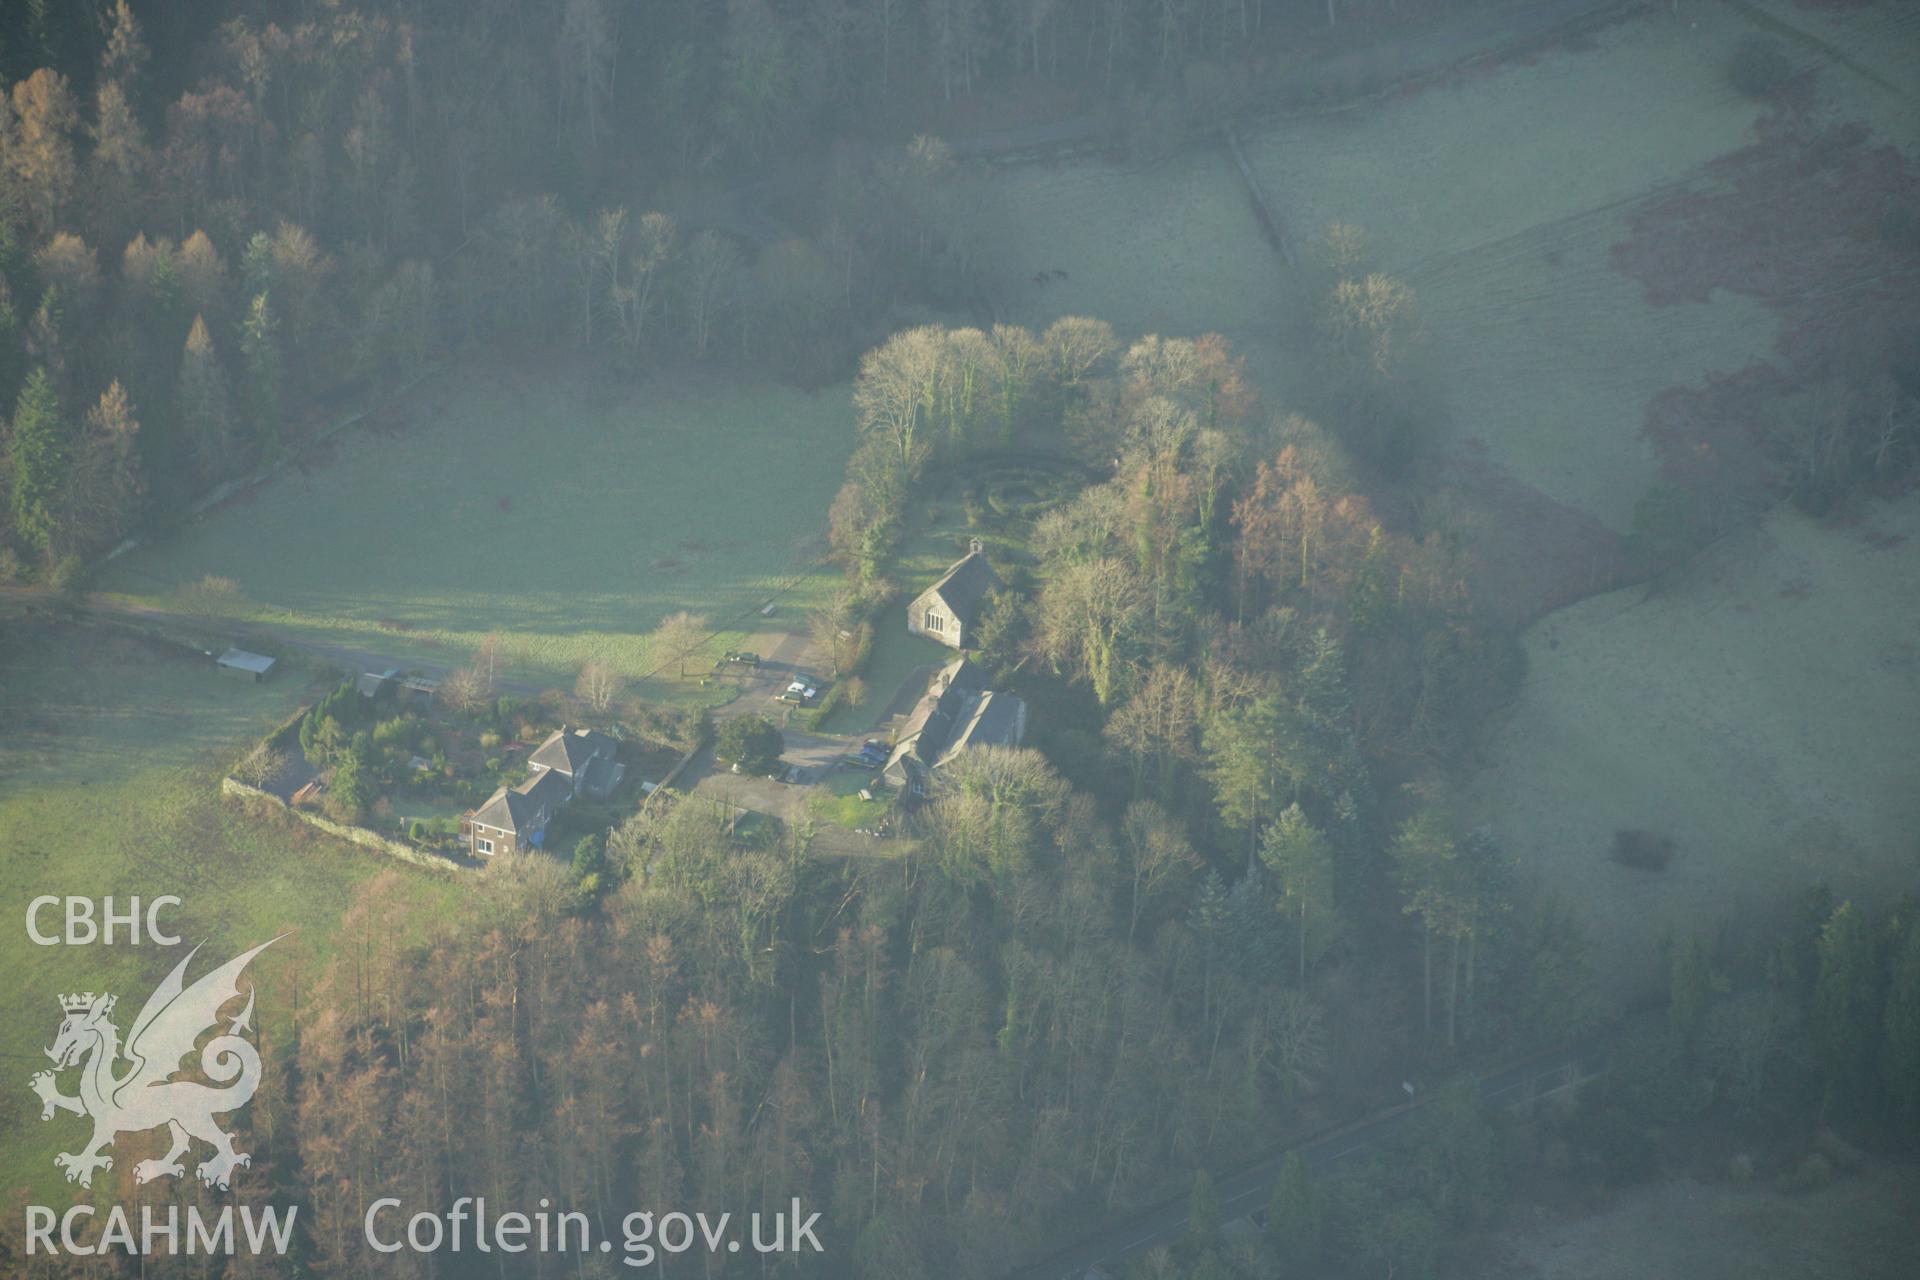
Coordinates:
[1499,199]
[1883,41]
[1860,1228]
[1458,166]
[1764,712]
[1171,248]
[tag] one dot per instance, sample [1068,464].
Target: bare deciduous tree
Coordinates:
[895,388]
[585,49]
[1075,346]
[598,687]
[462,690]
[654,243]
[1343,246]
[1371,320]
[1156,727]
[260,765]
[678,637]
[712,265]
[486,663]
[832,627]
[1089,613]
[1158,857]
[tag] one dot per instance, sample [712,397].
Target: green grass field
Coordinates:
[108,769]
[567,515]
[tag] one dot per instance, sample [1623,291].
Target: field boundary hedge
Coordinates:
[1263,211]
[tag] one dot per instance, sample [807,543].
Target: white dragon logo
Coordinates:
[145,1097]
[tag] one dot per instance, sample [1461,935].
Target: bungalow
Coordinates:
[956,713]
[950,609]
[572,762]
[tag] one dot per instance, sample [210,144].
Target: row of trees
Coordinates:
[1819,1015]
[336,199]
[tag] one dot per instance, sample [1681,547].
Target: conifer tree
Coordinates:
[200,403]
[41,453]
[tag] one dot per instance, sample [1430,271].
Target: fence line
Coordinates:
[1263,211]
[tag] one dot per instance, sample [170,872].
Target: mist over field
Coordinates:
[1044,639]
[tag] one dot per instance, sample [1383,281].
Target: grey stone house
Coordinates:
[955,714]
[573,762]
[949,610]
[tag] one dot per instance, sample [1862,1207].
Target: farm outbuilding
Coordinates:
[242,665]
[407,691]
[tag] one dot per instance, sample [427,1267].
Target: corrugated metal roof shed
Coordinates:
[240,662]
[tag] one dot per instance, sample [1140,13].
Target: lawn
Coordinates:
[837,800]
[896,655]
[567,515]
[108,768]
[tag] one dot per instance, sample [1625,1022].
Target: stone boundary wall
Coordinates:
[358,835]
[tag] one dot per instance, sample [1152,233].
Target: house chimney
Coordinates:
[975,546]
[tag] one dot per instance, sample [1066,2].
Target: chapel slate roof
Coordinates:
[964,587]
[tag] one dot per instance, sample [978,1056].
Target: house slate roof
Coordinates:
[549,788]
[602,775]
[518,809]
[932,718]
[964,587]
[509,809]
[569,751]
[988,719]
[931,725]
